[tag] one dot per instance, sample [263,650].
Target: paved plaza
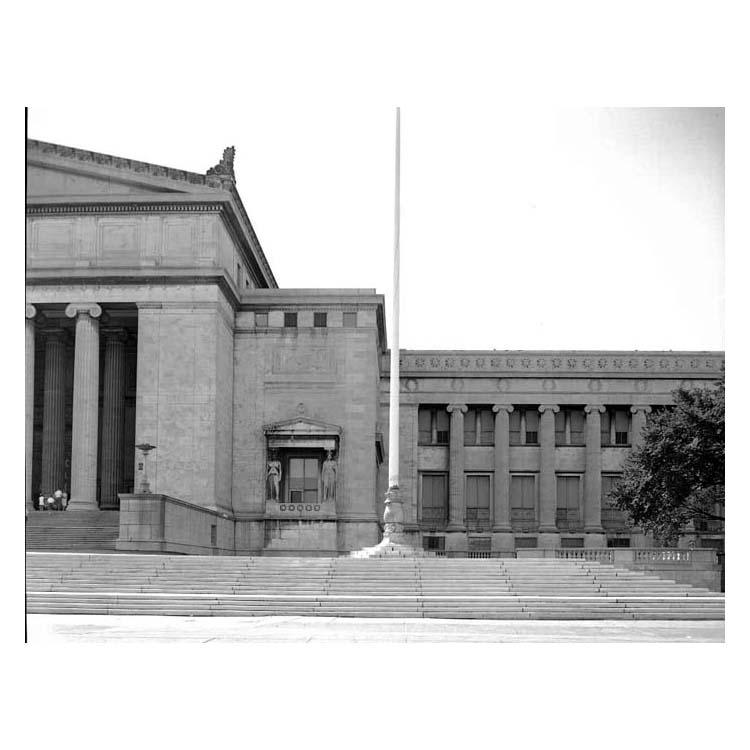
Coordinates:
[47,629]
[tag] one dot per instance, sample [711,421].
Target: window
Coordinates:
[350,320]
[568,501]
[523,497]
[612,516]
[618,542]
[303,476]
[434,425]
[434,543]
[290,320]
[526,542]
[479,427]
[616,427]
[575,542]
[434,499]
[524,427]
[320,319]
[569,426]
[261,320]
[477,499]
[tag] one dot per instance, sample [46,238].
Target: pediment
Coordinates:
[61,171]
[301,427]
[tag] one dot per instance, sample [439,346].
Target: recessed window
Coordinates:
[479,427]
[350,320]
[290,320]
[523,497]
[434,499]
[616,427]
[302,479]
[434,425]
[524,427]
[320,319]
[569,426]
[568,501]
[477,500]
[261,320]
[434,543]
[618,542]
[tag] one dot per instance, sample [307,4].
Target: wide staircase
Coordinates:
[127,584]
[94,530]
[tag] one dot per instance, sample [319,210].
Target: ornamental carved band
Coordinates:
[85,308]
[498,407]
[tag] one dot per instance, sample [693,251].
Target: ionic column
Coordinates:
[113,411]
[85,406]
[53,425]
[592,508]
[547,486]
[456,500]
[502,468]
[638,423]
[30,342]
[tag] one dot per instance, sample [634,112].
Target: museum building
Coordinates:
[260,414]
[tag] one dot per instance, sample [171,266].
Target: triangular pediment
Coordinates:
[62,171]
[301,427]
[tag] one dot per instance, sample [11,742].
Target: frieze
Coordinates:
[609,363]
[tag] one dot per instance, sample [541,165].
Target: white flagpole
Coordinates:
[393,457]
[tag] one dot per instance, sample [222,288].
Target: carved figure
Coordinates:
[273,478]
[328,474]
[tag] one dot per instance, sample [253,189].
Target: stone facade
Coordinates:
[152,316]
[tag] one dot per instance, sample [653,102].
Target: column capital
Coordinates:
[30,312]
[87,308]
[554,408]
[499,407]
[589,408]
[457,407]
[640,407]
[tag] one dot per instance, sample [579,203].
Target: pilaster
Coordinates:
[83,461]
[548,534]
[592,510]
[456,499]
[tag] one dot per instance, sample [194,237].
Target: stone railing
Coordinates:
[593,554]
[674,556]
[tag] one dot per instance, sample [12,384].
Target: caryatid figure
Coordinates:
[328,475]
[273,478]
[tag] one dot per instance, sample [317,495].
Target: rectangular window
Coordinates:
[618,542]
[486,427]
[433,543]
[560,434]
[290,320]
[514,420]
[302,482]
[477,499]
[568,501]
[577,424]
[434,499]
[622,424]
[571,542]
[606,439]
[320,319]
[523,497]
[434,425]
[612,516]
[350,320]
[532,427]
[261,320]
[470,427]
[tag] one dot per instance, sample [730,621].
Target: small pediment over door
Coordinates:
[303,432]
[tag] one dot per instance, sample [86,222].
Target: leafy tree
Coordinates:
[677,474]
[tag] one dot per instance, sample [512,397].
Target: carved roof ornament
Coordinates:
[225,167]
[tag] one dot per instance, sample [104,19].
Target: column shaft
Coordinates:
[547,484]
[113,412]
[456,499]
[501,499]
[29,456]
[53,425]
[638,423]
[85,407]
[592,511]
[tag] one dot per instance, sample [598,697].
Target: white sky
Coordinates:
[521,228]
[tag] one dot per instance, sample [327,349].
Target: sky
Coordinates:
[522,227]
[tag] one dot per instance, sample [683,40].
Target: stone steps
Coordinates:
[72,530]
[344,587]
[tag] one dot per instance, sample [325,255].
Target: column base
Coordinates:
[594,539]
[503,541]
[548,540]
[81,505]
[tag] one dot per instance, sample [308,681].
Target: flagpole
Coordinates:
[393,516]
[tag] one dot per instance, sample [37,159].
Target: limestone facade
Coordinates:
[153,316]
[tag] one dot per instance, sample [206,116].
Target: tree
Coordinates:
[677,474]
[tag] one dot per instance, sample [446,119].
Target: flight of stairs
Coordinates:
[94,530]
[339,587]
